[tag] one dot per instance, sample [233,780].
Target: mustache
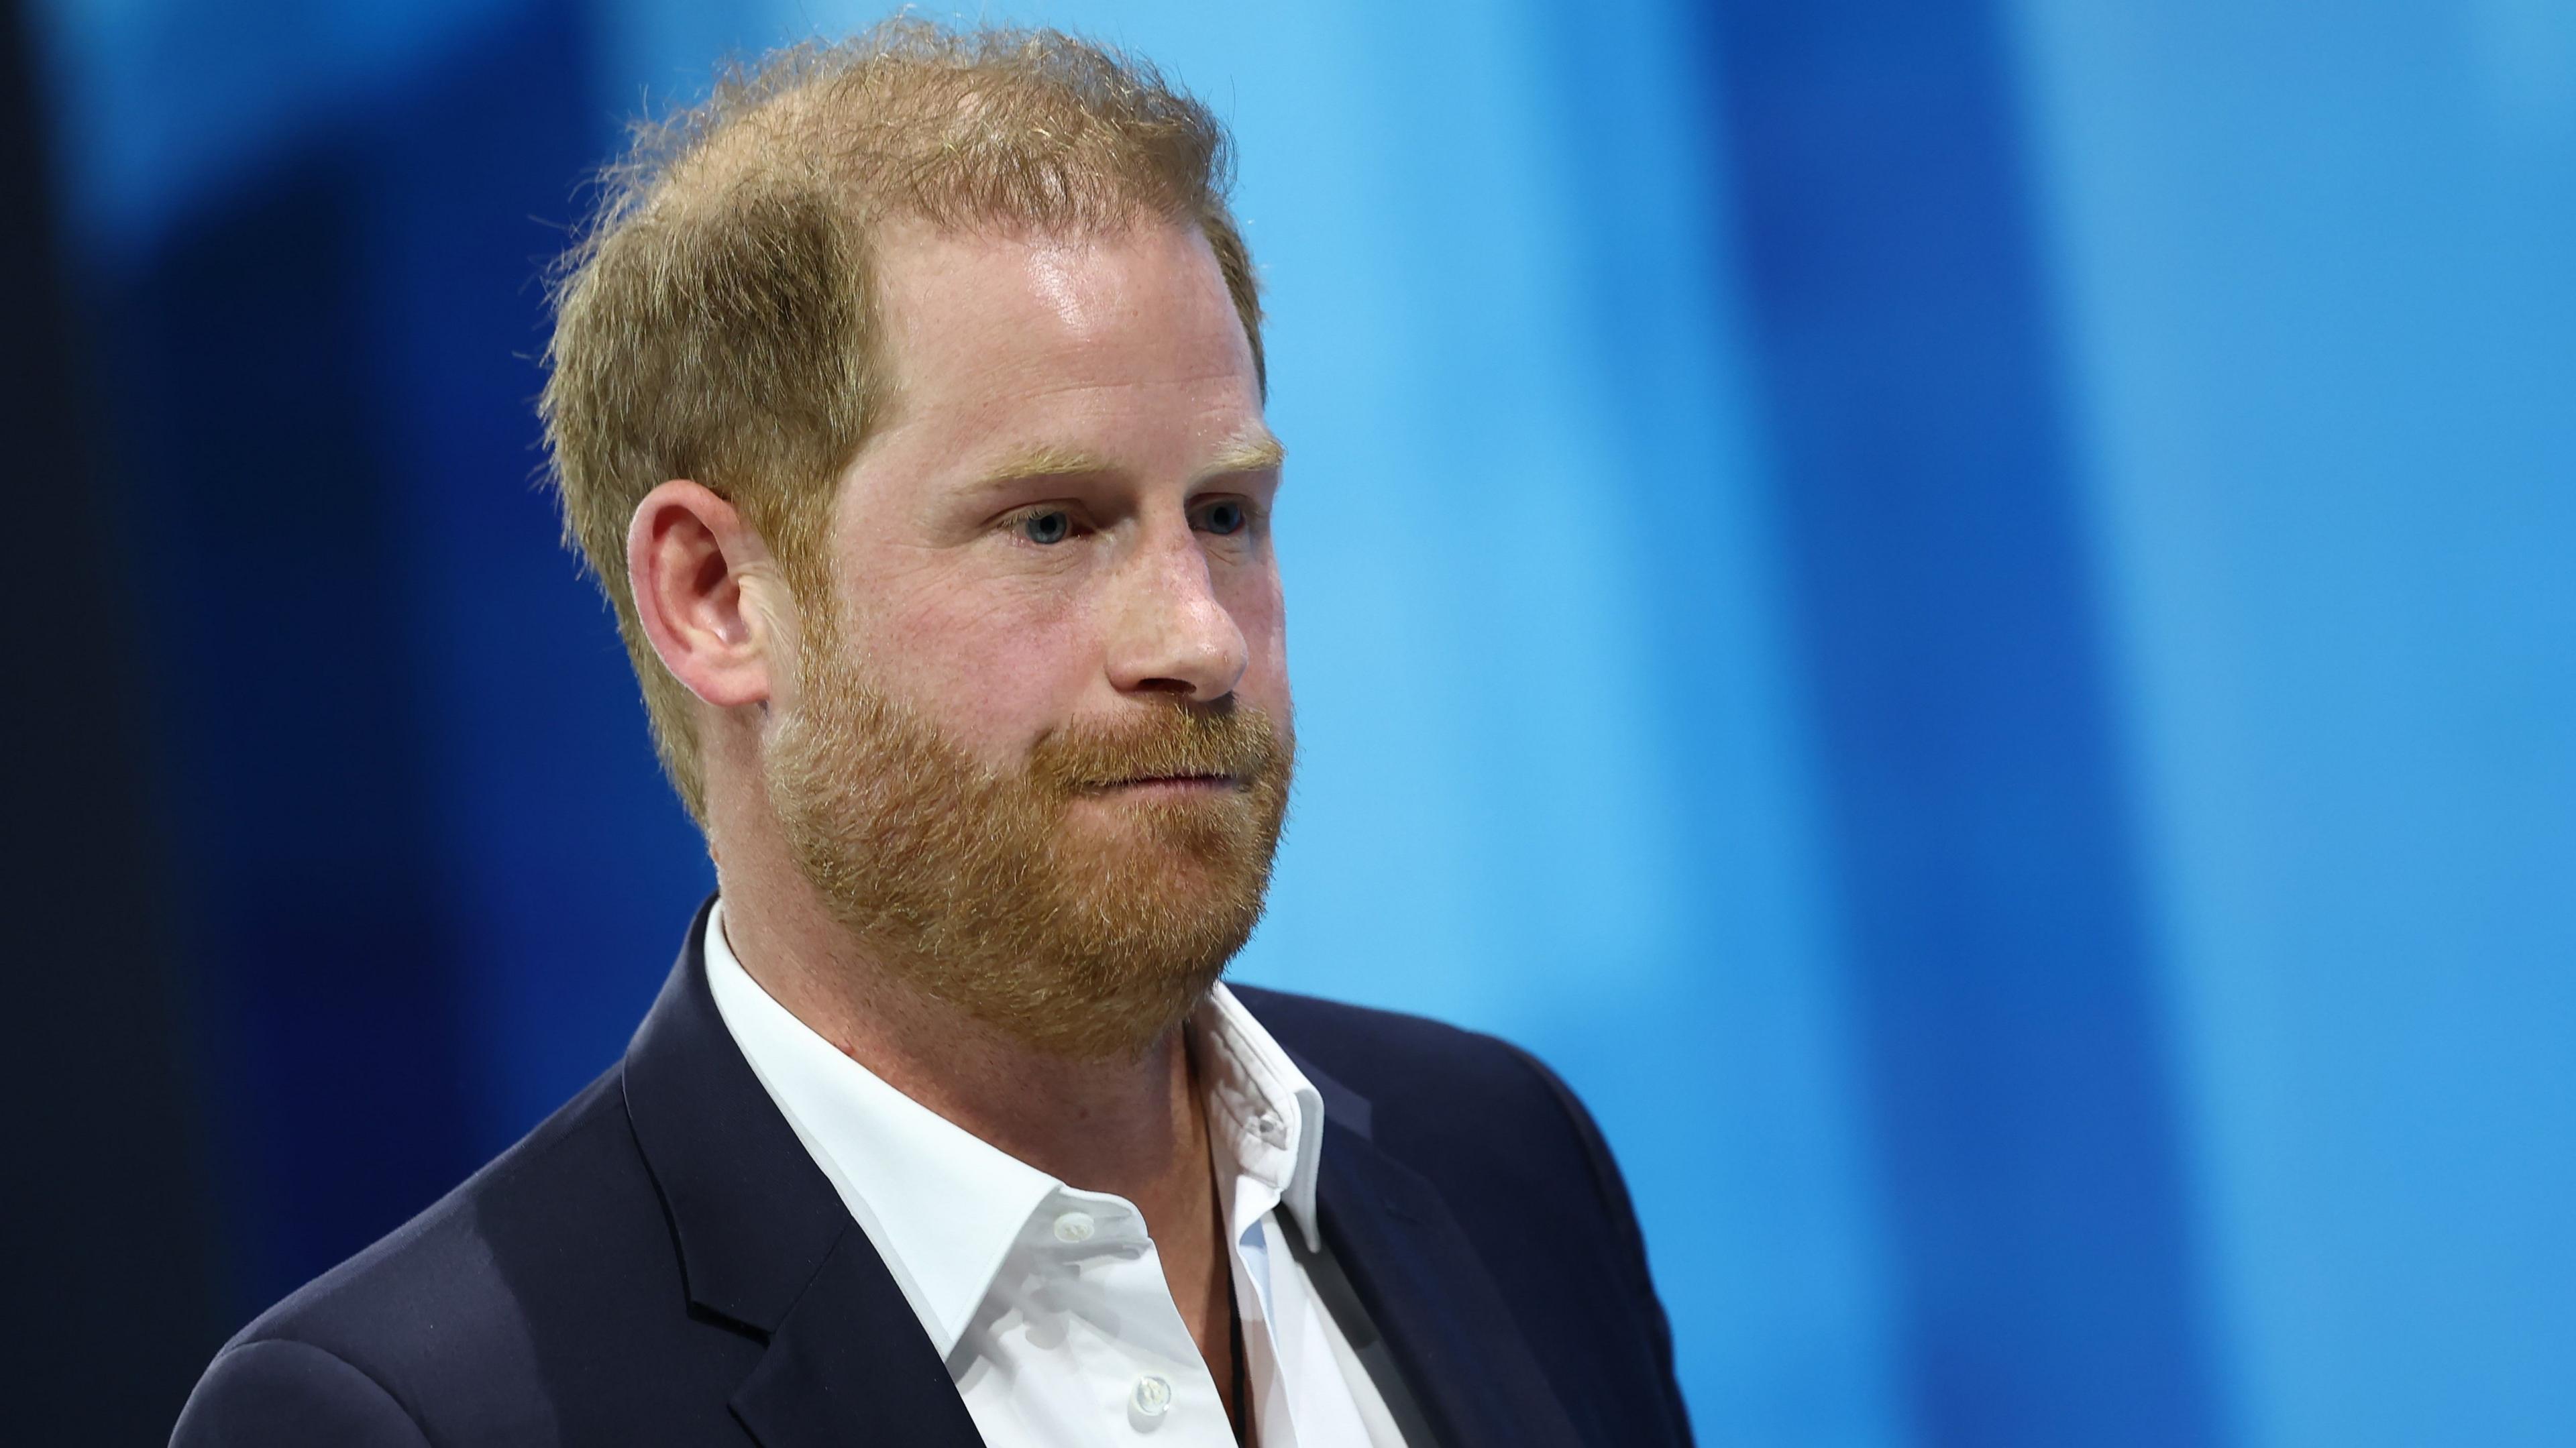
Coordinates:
[1182,740]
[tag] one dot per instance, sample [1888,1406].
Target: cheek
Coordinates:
[993,665]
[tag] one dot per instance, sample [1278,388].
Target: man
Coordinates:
[908,400]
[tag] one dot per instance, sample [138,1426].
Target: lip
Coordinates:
[1172,784]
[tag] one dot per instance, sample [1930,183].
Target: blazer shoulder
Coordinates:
[279,1391]
[444,1247]
[450,1313]
[1531,1183]
[1417,1072]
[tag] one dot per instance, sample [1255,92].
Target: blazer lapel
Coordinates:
[1432,1300]
[766,1245]
[849,1366]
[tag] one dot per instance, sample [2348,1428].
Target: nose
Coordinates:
[1169,633]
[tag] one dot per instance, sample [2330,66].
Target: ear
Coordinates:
[707,592]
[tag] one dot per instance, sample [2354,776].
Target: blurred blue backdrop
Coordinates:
[1961,611]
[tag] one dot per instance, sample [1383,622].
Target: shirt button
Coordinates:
[1152,1398]
[1075,1227]
[1267,1127]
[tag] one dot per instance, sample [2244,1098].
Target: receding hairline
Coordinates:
[718,316]
[835,114]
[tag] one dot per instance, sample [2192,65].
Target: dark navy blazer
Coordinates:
[661,1262]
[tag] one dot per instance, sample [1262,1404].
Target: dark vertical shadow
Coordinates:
[293,717]
[323,379]
[2025,1114]
[104,1197]
[587,870]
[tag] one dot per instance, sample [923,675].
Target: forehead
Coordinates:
[1019,341]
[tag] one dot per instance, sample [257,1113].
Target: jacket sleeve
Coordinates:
[278,1393]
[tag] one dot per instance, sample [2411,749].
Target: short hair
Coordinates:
[717,318]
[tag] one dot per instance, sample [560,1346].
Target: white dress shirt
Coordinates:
[1048,1302]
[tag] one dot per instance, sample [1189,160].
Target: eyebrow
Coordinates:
[1251,452]
[1043,461]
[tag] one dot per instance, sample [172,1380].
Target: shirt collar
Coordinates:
[943,1206]
[1274,1114]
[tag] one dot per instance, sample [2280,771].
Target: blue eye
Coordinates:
[1053,526]
[1223,518]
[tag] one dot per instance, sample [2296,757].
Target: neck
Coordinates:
[1133,1127]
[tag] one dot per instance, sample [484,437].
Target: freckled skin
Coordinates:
[1128,351]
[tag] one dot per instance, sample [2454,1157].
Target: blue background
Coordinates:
[1961,611]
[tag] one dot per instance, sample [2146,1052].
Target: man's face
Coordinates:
[1037,749]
